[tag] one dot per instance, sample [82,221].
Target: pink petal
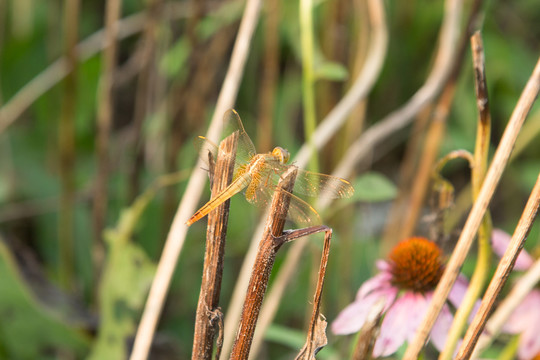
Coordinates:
[383,265]
[526,314]
[441,327]
[529,342]
[352,318]
[399,324]
[458,290]
[379,281]
[500,241]
[457,293]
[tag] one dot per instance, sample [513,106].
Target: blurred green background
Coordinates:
[169,72]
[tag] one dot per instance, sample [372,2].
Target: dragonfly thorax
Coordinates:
[281,154]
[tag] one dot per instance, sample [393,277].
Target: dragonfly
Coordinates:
[258,175]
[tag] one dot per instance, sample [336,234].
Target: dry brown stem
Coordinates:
[270,243]
[177,233]
[328,127]
[316,336]
[66,147]
[401,117]
[104,123]
[477,213]
[516,296]
[214,255]
[54,73]
[501,274]
[363,349]
[143,95]
[269,76]
[407,170]
[435,132]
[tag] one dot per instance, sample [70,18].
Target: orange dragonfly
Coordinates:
[259,174]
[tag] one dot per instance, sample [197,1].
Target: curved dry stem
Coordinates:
[400,118]
[177,233]
[359,90]
[59,69]
[495,323]
[477,213]
[326,129]
[502,272]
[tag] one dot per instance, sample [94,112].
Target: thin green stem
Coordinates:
[479,277]
[510,350]
[308,76]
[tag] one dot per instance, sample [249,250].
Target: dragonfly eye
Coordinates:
[282,154]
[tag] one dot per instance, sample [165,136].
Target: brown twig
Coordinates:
[402,116]
[316,336]
[215,251]
[54,73]
[66,146]
[269,76]
[143,99]
[521,289]
[368,334]
[477,213]
[501,274]
[433,137]
[433,141]
[480,276]
[332,122]
[408,167]
[104,123]
[177,234]
[270,243]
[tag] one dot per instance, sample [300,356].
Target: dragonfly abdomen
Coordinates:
[235,187]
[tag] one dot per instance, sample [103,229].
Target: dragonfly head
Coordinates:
[282,154]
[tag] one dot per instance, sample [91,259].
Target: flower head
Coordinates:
[525,319]
[405,283]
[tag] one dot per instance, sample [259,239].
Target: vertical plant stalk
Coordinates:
[477,213]
[505,308]
[308,77]
[333,121]
[433,141]
[66,146]
[104,120]
[479,277]
[367,336]
[270,76]
[316,336]
[270,243]
[408,167]
[437,127]
[216,233]
[178,231]
[501,274]
[143,95]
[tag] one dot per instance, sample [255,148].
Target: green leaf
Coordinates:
[126,279]
[329,70]
[373,187]
[30,328]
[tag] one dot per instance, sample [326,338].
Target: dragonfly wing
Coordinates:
[321,185]
[246,149]
[206,149]
[307,183]
[300,212]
